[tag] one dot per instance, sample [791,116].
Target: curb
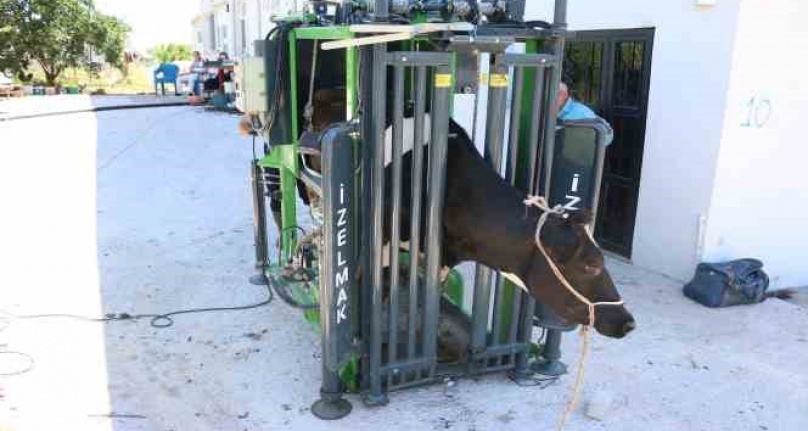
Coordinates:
[94,109]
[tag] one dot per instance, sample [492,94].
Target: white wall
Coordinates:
[689,81]
[760,199]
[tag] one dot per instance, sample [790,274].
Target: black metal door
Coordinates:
[610,71]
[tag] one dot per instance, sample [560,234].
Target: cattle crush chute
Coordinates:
[335,94]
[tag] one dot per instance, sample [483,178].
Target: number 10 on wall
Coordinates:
[757,112]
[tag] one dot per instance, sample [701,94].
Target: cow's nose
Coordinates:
[629,326]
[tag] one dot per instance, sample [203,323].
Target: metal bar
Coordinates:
[552,346]
[515,124]
[551,117]
[415,212]
[560,14]
[366,294]
[494,137]
[420,58]
[351,79]
[497,99]
[516,307]
[530,60]
[395,223]
[403,367]
[499,300]
[381,10]
[377,223]
[289,169]
[502,350]
[510,176]
[494,140]
[535,128]
[337,272]
[600,159]
[525,330]
[437,180]
[525,179]
[479,309]
[259,218]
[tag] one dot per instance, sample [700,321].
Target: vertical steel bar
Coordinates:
[551,117]
[437,180]
[537,110]
[395,223]
[366,260]
[552,345]
[535,129]
[337,271]
[600,159]
[377,214]
[415,212]
[510,176]
[382,10]
[515,124]
[560,14]
[494,138]
[259,220]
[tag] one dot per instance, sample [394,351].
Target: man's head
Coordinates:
[563,95]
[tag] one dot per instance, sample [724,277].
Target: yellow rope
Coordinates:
[541,203]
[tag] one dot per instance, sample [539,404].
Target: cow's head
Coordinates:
[569,245]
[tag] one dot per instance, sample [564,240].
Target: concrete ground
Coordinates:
[149,211]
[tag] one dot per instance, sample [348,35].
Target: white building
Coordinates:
[232,25]
[705,97]
[718,153]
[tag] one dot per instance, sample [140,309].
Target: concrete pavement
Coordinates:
[149,211]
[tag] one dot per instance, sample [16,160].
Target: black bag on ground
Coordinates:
[725,284]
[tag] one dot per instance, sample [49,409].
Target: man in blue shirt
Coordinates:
[570,109]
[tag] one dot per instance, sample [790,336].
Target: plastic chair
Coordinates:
[166,73]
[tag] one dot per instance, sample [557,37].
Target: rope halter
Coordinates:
[541,203]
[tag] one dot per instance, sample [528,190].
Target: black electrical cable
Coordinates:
[160,321]
[163,320]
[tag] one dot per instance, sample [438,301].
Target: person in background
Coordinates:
[570,109]
[198,62]
[196,73]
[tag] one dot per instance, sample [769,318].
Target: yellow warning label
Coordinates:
[443,80]
[499,80]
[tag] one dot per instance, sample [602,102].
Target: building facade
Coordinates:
[704,97]
[231,26]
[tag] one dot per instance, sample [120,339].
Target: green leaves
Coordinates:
[169,52]
[57,34]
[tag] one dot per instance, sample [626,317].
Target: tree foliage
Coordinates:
[57,34]
[169,52]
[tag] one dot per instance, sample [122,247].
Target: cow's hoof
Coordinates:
[259,280]
[331,409]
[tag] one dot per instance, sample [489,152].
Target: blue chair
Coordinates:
[166,73]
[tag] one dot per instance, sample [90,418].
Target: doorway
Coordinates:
[610,71]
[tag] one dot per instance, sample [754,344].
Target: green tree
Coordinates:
[12,60]
[169,52]
[58,34]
